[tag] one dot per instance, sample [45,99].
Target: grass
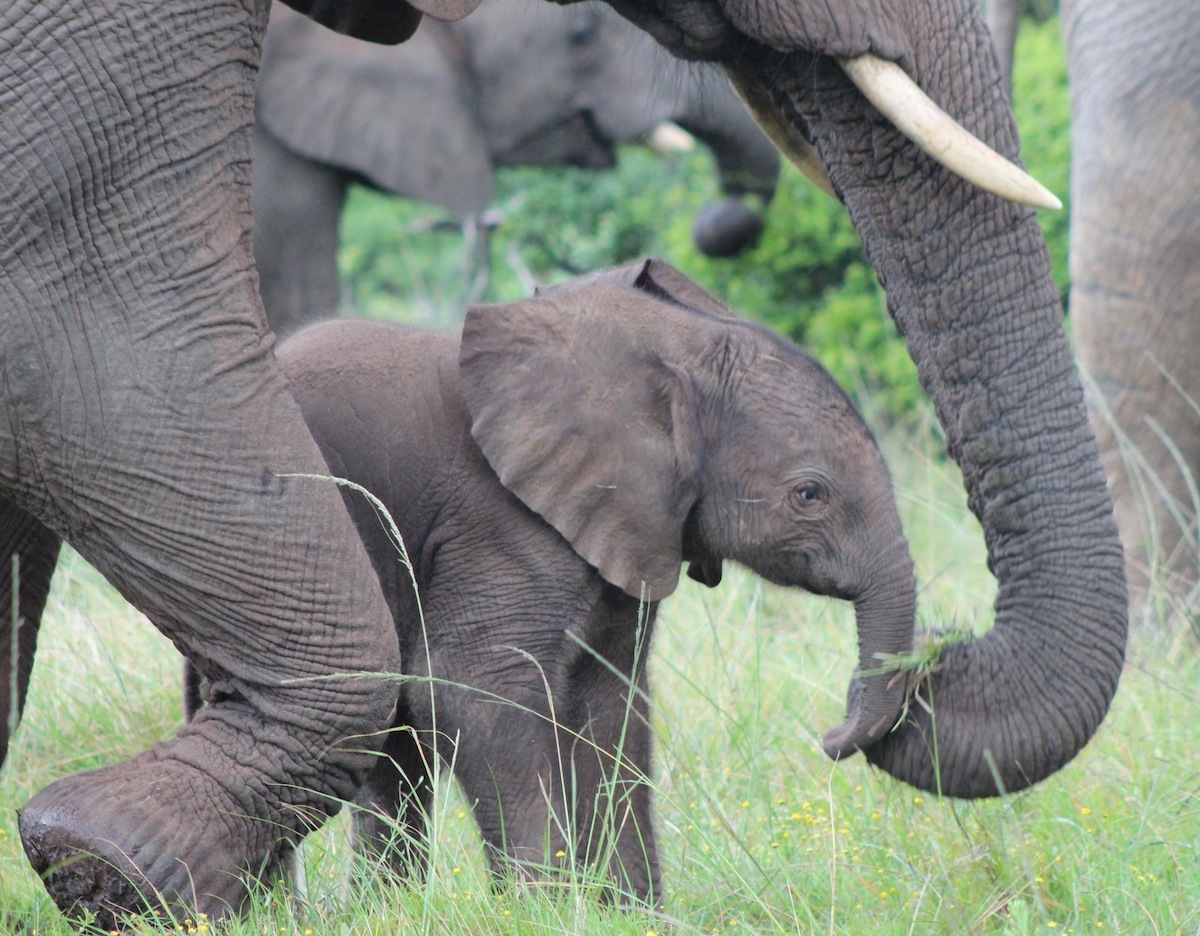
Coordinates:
[760,833]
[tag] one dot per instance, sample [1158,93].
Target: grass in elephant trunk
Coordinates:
[760,833]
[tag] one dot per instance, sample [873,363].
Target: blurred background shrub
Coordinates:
[807,278]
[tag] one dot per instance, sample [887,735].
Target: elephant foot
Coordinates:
[83,875]
[154,833]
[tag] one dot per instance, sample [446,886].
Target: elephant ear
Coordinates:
[383,21]
[402,118]
[656,279]
[578,403]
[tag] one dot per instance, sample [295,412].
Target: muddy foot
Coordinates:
[152,833]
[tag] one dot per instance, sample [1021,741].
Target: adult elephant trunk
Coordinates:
[968,283]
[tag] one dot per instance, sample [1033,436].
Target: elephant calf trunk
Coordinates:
[886,616]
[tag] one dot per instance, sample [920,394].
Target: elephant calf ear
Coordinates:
[657,276]
[578,412]
[654,278]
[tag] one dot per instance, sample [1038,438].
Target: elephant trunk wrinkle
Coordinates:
[981,317]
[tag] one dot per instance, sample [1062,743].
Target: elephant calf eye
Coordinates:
[809,493]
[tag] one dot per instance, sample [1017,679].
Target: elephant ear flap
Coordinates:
[576,407]
[384,21]
[657,279]
[404,119]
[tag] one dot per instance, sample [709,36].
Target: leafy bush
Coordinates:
[1042,104]
[807,278]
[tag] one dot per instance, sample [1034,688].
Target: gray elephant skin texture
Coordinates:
[548,478]
[149,424]
[519,82]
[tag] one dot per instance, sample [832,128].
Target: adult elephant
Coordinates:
[1003,17]
[149,424]
[518,82]
[1135,274]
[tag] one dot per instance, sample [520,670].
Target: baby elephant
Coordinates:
[549,473]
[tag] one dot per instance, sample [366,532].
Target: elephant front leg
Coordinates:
[558,775]
[611,758]
[28,555]
[511,772]
[391,823]
[262,580]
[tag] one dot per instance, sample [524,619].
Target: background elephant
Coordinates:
[1135,271]
[1003,18]
[517,83]
[1135,275]
[149,424]
[547,479]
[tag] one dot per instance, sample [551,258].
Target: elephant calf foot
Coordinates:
[152,833]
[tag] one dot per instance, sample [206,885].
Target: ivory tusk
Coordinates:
[915,115]
[669,138]
[801,153]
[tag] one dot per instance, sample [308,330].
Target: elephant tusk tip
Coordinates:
[1051,203]
[668,138]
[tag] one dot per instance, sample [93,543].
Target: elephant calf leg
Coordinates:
[539,820]
[507,760]
[611,763]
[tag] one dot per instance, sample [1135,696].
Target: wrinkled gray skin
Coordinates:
[559,467]
[149,424]
[1135,273]
[519,82]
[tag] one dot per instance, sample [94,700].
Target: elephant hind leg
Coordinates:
[28,555]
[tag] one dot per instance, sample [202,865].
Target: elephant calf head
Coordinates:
[649,426]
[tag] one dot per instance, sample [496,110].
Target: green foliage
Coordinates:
[1041,101]
[759,832]
[600,219]
[807,277]
[397,262]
